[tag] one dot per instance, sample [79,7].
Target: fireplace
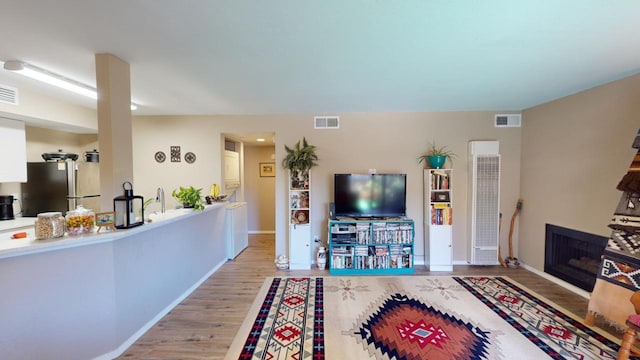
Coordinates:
[573,256]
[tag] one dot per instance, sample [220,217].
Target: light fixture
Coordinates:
[259,139]
[50,78]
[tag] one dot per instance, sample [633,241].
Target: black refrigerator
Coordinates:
[60,186]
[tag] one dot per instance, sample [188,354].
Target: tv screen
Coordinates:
[378,195]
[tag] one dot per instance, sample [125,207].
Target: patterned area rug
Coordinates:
[411,317]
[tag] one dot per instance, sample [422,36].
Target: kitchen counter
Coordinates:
[17,223]
[29,245]
[9,227]
[92,296]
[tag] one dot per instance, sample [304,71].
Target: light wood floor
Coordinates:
[205,323]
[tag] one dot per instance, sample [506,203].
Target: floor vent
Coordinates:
[8,95]
[326,122]
[510,120]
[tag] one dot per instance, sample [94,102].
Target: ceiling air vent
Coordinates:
[326,122]
[510,120]
[8,95]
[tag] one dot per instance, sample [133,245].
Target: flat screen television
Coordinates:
[370,196]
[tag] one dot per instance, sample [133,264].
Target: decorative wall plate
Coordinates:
[175,154]
[190,157]
[160,156]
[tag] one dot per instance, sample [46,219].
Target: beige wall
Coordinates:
[40,140]
[39,110]
[387,142]
[564,162]
[259,192]
[574,152]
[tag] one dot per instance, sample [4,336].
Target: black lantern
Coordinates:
[128,208]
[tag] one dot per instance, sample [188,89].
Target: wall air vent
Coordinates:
[508,120]
[484,202]
[8,95]
[326,122]
[230,145]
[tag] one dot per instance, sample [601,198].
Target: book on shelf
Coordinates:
[439,180]
[441,205]
[441,215]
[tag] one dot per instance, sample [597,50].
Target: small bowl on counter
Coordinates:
[214,199]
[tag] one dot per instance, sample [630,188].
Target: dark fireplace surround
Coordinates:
[573,256]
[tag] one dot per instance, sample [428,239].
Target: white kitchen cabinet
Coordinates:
[300,247]
[13,144]
[237,233]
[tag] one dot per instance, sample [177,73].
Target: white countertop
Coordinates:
[14,247]
[17,223]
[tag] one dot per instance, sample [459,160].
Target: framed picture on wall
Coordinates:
[267,169]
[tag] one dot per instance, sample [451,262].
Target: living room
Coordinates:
[564,161]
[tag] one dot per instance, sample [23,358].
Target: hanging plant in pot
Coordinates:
[436,156]
[300,158]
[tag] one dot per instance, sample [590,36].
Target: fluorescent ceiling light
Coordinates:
[50,78]
[260,139]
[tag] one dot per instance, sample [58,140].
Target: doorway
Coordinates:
[259,181]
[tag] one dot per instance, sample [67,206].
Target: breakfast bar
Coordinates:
[91,296]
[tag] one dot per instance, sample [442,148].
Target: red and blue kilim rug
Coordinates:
[411,317]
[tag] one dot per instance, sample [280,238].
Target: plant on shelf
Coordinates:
[437,156]
[190,197]
[300,158]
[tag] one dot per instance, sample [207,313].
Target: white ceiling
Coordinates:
[330,56]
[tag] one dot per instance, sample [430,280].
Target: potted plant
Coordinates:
[437,156]
[300,158]
[190,197]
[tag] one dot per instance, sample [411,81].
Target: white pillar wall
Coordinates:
[114,127]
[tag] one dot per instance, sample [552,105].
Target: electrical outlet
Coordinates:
[316,238]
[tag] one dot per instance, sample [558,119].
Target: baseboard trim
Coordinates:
[564,284]
[133,338]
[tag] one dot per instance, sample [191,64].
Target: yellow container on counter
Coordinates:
[80,221]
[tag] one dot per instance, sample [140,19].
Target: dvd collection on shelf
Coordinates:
[371,257]
[392,233]
[371,245]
